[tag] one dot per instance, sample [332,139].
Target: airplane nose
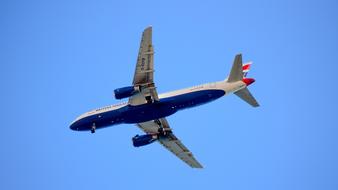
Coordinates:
[74,126]
[248,81]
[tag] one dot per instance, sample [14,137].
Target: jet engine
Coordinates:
[125,92]
[142,140]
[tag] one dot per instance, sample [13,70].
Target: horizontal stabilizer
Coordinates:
[245,95]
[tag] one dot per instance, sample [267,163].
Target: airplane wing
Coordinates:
[144,71]
[170,142]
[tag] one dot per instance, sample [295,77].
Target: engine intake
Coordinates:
[142,140]
[125,92]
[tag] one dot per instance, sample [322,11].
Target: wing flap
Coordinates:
[148,127]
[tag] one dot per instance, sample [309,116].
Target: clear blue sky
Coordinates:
[61,58]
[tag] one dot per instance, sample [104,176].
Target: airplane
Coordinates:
[148,110]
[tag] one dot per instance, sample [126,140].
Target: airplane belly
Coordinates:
[147,112]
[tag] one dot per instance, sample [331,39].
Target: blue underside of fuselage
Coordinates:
[147,112]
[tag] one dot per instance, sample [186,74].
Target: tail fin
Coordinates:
[239,70]
[236,73]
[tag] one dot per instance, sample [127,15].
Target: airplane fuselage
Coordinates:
[148,110]
[168,104]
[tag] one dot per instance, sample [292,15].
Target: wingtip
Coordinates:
[149,27]
[196,166]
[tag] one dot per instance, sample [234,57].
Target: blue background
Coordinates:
[61,58]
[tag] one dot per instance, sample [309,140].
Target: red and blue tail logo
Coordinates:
[246,68]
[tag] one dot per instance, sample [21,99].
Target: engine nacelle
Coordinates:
[142,140]
[125,92]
